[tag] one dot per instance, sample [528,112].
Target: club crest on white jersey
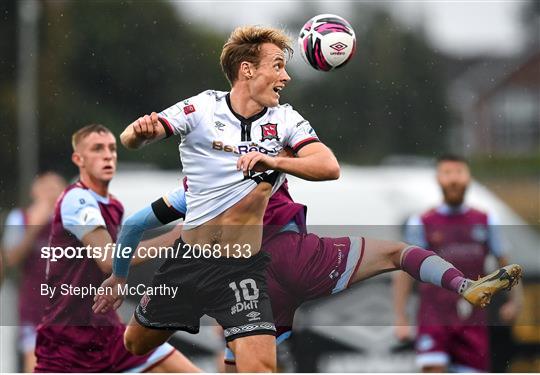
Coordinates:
[213,137]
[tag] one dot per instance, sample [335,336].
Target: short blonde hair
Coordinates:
[244,44]
[85,131]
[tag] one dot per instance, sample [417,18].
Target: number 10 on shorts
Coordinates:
[250,294]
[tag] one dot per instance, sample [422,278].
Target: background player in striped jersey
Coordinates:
[26,232]
[452,334]
[70,337]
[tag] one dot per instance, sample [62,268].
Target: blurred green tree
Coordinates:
[8,101]
[110,61]
[106,62]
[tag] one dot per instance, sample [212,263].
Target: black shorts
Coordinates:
[232,291]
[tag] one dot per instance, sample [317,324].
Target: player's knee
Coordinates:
[134,346]
[265,367]
[262,362]
[268,365]
[128,343]
[258,365]
[396,252]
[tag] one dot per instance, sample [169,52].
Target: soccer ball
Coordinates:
[327,42]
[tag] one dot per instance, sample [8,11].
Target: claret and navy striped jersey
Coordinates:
[213,137]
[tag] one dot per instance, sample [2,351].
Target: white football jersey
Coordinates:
[213,137]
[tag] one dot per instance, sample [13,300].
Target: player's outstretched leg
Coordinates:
[426,266]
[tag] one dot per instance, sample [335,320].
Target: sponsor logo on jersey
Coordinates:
[244,149]
[254,315]
[219,125]
[189,109]
[244,306]
[269,132]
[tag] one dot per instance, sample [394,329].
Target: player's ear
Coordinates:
[245,70]
[77,159]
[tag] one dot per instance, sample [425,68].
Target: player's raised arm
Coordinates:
[315,162]
[129,237]
[143,131]
[161,212]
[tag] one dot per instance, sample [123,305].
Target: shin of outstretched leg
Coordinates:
[428,267]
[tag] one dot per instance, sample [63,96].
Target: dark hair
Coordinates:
[86,131]
[452,157]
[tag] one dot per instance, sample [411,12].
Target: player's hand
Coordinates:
[509,312]
[403,330]
[255,161]
[146,127]
[104,302]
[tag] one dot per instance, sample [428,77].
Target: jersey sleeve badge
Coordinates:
[189,109]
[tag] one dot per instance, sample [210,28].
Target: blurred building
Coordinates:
[498,107]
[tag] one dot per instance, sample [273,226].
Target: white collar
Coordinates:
[446,209]
[99,198]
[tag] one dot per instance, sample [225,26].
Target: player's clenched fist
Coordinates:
[142,131]
[147,126]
